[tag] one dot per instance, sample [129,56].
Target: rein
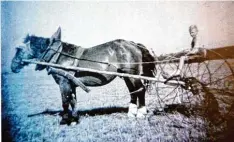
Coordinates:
[111,63]
[65,54]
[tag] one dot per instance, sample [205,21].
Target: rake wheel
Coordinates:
[207,96]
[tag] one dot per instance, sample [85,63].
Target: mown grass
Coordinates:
[31,104]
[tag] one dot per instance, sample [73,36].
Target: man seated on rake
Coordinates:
[195,49]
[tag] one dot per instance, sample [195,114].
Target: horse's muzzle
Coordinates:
[15,71]
[16,66]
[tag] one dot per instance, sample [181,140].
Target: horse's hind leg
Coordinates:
[137,90]
[142,111]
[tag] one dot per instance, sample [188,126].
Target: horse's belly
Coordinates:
[94,79]
[99,60]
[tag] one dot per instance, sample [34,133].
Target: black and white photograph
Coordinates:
[117,71]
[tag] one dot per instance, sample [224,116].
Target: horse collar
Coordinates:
[51,54]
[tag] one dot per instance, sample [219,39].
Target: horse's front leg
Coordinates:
[73,103]
[66,93]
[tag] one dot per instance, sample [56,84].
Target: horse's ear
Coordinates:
[57,34]
[27,38]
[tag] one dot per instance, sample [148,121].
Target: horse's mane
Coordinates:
[41,42]
[38,42]
[70,44]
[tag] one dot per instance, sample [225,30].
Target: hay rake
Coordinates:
[206,88]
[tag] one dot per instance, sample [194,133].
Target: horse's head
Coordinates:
[34,48]
[22,52]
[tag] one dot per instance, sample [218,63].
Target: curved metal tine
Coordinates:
[204,67]
[219,79]
[170,92]
[188,70]
[165,65]
[207,67]
[198,70]
[218,68]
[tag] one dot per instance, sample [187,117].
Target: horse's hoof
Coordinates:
[140,115]
[132,111]
[73,123]
[131,115]
[63,122]
[142,110]
[74,120]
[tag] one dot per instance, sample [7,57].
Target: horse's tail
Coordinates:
[149,67]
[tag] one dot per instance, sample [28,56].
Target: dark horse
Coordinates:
[115,56]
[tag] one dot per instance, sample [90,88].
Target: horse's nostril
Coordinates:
[15,70]
[16,67]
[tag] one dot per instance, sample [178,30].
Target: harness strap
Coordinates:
[49,55]
[56,55]
[79,53]
[51,52]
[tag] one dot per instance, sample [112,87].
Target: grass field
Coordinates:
[31,103]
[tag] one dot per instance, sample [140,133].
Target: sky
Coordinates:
[162,26]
